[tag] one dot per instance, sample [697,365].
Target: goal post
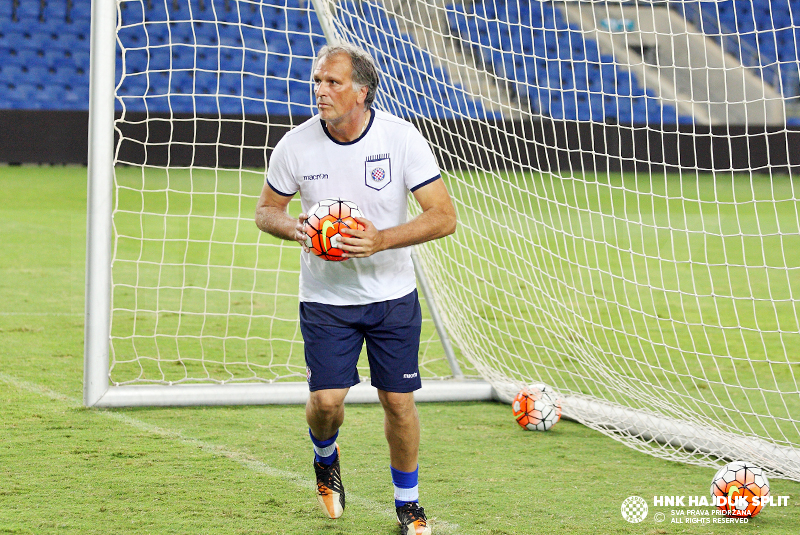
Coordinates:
[104,202]
[100,171]
[625,180]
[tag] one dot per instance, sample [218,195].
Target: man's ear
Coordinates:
[362,94]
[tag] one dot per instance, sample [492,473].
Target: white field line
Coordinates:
[42,314]
[300,480]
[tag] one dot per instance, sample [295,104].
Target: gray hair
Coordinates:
[365,71]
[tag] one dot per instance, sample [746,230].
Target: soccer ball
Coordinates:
[735,485]
[537,408]
[325,220]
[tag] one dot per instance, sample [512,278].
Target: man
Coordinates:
[353,152]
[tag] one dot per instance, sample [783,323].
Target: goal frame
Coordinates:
[638,428]
[97,389]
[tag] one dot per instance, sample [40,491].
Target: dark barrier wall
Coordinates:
[61,137]
[57,137]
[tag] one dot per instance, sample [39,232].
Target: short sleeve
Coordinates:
[420,164]
[279,174]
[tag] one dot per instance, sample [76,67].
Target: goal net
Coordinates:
[624,177]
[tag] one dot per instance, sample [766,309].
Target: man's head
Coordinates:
[345,77]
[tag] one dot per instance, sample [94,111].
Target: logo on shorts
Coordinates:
[409,375]
[308,374]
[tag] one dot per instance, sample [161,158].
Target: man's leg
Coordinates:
[401,426]
[332,346]
[325,414]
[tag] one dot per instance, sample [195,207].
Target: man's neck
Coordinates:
[350,131]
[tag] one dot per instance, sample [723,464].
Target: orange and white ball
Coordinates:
[738,488]
[323,227]
[537,408]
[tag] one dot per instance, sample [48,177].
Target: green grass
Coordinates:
[67,469]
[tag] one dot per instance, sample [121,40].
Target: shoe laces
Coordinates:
[328,477]
[413,513]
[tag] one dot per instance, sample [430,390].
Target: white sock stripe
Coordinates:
[407,495]
[327,451]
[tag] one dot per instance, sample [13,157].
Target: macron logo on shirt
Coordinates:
[321,176]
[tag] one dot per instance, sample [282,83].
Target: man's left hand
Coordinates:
[361,243]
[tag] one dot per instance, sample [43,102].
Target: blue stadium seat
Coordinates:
[7,10]
[156,11]
[191,104]
[183,58]
[20,95]
[206,82]
[229,35]
[79,10]
[230,83]
[300,69]
[77,26]
[301,46]
[278,66]
[10,73]
[29,11]
[40,74]
[131,12]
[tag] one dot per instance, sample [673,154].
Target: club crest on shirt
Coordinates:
[377,171]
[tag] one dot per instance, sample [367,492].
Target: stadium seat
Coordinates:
[79,10]
[206,82]
[277,66]
[29,12]
[156,11]
[131,13]
[10,73]
[6,10]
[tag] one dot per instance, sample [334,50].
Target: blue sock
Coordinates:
[406,487]
[324,450]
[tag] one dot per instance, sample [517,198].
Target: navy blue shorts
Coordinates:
[334,335]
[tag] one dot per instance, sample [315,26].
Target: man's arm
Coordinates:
[272,217]
[438,219]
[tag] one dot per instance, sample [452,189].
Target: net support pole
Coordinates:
[99,201]
[322,9]
[436,317]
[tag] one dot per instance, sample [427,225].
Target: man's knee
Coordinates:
[326,404]
[398,405]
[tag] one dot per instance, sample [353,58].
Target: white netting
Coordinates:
[199,294]
[624,178]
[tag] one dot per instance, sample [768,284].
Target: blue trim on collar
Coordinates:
[356,140]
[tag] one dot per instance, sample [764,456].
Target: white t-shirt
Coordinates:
[375,171]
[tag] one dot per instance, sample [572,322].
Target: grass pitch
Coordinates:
[241,470]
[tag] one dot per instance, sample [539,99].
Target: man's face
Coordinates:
[337,99]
